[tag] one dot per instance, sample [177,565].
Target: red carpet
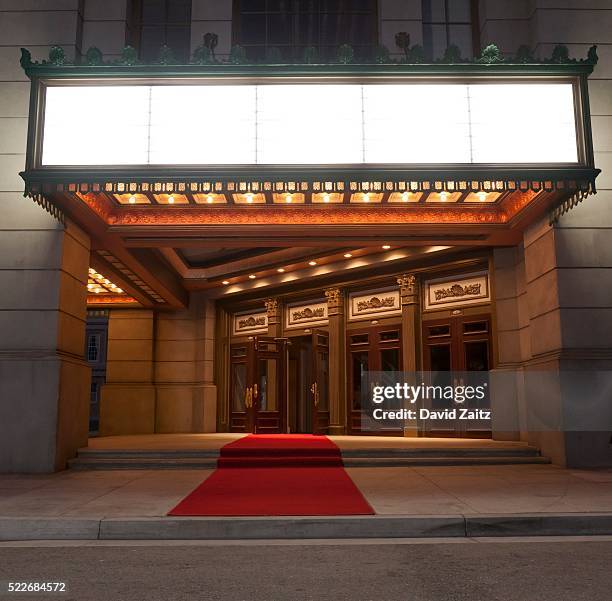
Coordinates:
[277,475]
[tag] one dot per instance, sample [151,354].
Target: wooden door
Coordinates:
[239,383]
[258,386]
[454,349]
[372,349]
[319,388]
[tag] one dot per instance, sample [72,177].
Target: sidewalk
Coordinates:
[417,501]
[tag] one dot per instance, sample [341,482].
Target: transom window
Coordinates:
[270,29]
[449,22]
[155,23]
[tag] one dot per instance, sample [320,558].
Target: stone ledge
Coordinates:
[327,527]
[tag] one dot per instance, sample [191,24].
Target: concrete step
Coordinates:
[142,463]
[94,459]
[432,461]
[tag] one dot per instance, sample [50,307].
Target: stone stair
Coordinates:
[98,459]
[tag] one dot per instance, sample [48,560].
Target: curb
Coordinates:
[333,527]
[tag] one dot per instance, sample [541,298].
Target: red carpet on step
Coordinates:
[276,474]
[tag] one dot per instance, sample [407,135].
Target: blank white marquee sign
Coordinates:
[309,124]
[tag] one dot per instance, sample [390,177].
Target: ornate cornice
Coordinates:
[204,62]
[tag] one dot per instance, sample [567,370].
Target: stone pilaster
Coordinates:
[274,310]
[410,330]
[337,361]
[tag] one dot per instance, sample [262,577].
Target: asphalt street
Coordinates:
[559,570]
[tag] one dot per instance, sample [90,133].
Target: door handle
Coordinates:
[248,398]
[315,393]
[255,391]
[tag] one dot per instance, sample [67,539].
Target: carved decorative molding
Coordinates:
[335,301]
[272,310]
[407,283]
[378,303]
[375,303]
[460,290]
[307,314]
[250,323]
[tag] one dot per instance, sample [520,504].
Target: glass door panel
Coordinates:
[238,379]
[360,366]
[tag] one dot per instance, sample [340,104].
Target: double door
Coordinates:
[373,349]
[457,352]
[258,385]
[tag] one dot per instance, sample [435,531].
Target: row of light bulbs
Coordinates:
[101,284]
[482,196]
[311,263]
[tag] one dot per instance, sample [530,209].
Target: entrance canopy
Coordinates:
[153,159]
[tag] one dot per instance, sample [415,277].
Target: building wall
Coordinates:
[554,292]
[44,380]
[159,375]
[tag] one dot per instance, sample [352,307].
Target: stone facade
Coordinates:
[552,293]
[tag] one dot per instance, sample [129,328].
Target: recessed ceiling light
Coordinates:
[249,198]
[366,197]
[288,198]
[405,196]
[386,247]
[209,199]
[312,263]
[252,276]
[132,200]
[225,282]
[326,198]
[171,199]
[347,255]
[280,270]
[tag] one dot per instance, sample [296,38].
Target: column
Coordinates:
[127,399]
[186,396]
[337,361]
[410,332]
[410,318]
[44,378]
